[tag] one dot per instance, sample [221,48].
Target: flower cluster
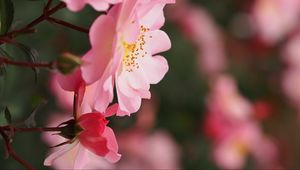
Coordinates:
[125,42]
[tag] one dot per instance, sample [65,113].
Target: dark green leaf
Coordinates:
[6,15]
[7,115]
[31,55]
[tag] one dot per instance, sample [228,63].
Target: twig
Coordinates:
[38,129]
[66,24]
[26,64]
[48,5]
[38,20]
[12,152]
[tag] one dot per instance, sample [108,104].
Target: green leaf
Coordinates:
[6,15]
[7,115]
[31,56]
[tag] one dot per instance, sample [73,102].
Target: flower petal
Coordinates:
[157,41]
[155,68]
[112,156]
[97,59]
[55,155]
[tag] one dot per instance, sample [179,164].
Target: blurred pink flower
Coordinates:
[99,5]
[235,133]
[232,151]
[290,76]
[64,98]
[124,54]
[148,151]
[291,51]
[226,102]
[291,84]
[198,26]
[275,18]
[95,138]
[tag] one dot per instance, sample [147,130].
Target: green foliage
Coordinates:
[6,15]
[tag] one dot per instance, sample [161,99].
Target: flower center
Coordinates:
[133,51]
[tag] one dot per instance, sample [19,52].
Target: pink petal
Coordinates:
[64,98]
[97,59]
[104,92]
[126,12]
[132,30]
[111,110]
[137,80]
[127,104]
[155,68]
[55,155]
[74,5]
[123,85]
[154,18]
[99,5]
[82,158]
[157,41]
[112,145]
[97,145]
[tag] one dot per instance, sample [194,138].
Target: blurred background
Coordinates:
[229,101]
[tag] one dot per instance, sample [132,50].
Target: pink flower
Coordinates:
[123,54]
[96,139]
[99,5]
[78,157]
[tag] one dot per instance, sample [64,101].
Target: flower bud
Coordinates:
[67,63]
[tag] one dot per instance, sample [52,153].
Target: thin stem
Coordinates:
[12,152]
[38,20]
[66,24]
[38,129]
[26,64]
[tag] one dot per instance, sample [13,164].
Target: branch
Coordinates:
[48,5]
[12,152]
[67,24]
[49,65]
[28,27]
[38,129]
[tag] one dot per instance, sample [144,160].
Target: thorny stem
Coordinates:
[49,65]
